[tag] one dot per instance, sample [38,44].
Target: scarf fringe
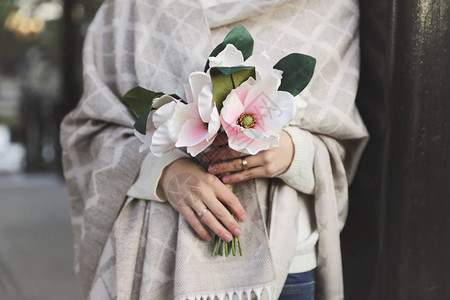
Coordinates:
[240,294]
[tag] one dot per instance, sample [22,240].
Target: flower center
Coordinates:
[246,120]
[205,125]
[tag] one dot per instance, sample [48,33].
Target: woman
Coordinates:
[139,220]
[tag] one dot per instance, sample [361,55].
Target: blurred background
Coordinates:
[40,81]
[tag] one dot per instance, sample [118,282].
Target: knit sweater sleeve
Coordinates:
[300,173]
[146,184]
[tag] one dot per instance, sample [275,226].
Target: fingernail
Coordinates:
[227,237]
[243,218]
[212,169]
[237,232]
[226,179]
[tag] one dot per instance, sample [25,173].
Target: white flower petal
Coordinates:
[229,57]
[263,66]
[263,90]
[197,80]
[163,113]
[278,113]
[161,141]
[205,103]
[182,113]
[240,142]
[214,124]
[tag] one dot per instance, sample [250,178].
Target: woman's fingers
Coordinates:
[245,175]
[210,220]
[223,215]
[194,221]
[235,165]
[227,197]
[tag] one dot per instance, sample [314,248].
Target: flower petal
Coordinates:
[229,57]
[163,113]
[192,132]
[262,90]
[197,80]
[183,112]
[263,66]
[278,113]
[232,108]
[196,149]
[161,142]
[239,141]
[205,103]
[214,124]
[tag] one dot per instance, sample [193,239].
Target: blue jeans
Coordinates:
[298,286]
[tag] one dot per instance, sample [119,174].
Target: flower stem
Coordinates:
[216,245]
[240,248]
[226,249]
[233,246]
[220,247]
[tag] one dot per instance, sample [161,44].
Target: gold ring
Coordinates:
[244,163]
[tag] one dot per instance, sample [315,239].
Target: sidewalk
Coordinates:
[35,239]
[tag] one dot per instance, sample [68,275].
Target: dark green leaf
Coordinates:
[138,99]
[298,70]
[141,123]
[224,80]
[231,70]
[240,38]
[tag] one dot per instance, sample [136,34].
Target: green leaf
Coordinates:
[138,99]
[298,70]
[231,70]
[226,79]
[141,122]
[240,38]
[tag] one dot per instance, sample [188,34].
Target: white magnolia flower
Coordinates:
[196,124]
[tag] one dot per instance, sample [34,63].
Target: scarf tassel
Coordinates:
[231,295]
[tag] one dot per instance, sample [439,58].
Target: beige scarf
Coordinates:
[136,249]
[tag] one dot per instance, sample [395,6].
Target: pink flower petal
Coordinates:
[192,132]
[196,149]
[232,108]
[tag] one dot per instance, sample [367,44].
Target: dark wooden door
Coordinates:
[396,242]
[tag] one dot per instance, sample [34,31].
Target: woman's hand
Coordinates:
[190,190]
[267,163]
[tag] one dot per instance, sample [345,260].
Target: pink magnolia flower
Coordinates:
[254,114]
[196,124]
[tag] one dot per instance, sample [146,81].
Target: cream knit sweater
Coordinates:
[299,176]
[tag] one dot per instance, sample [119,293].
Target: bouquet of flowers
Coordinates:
[239,93]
